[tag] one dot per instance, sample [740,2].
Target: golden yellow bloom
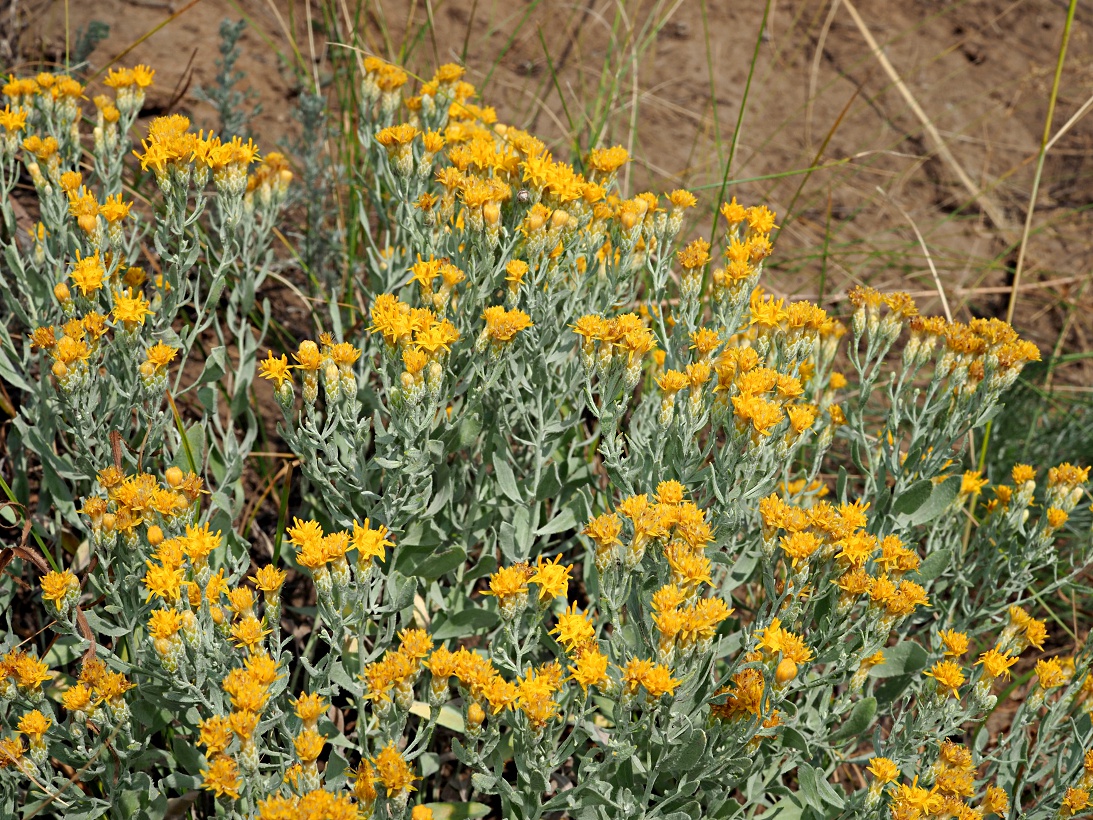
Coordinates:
[996,664]
[34,725]
[1067,475]
[370,543]
[694,255]
[883,769]
[395,136]
[13,121]
[509,582]
[215,736]
[276,370]
[590,668]
[222,777]
[502,325]
[56,585]
[307,355]
[393,771]
[1075,800]
[130,310]
[114,210]
[1049,673]
[956,643]
[799,546]
[88,274]
[269,579]
[574,629]
[604,530]
[682,199]
[164,624]
[249,633]
[996,801]
[552,578]
[607,160]
[948,676]
[1022,473]
[309,745]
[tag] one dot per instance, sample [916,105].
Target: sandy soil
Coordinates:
[940,135]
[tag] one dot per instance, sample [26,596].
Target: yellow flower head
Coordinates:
[509,582]
[607,160]
[996,664]
[948,676]
[502,325]
[883,769]
[276,370]
[574,629]
[552,578]
[956,643]
[56,585]
[130,310]
[269,579]
[222,777]
[393,771]
[249,633]
[160,355]
[114,210]
[34,725]
[370,543]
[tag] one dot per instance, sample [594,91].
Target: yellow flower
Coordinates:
[215,736]
[766,312]
[248,693]
[87,274]
[694,255]
[370,543]
[275,370]
[502,325]
[996,664]
[163,582]
[799,546]
[222,777]
[164,623]
[734,213]
[1075,800]
[249,633]
[86,210]
[604,530]
[920,802]
[1050,673]
[607,160]
[77,698]
[34,725]
[114,210]
[130,310]
[269,579]
[590,668]
[996,801]
[658,681]
[682,199]
[395,136]
[552,578]
[509,583]
[393,771]
[56,585]
[309,745]
[574,629]
[948,676]
[309,708]
[13,121]
[883,769]
[956,643]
